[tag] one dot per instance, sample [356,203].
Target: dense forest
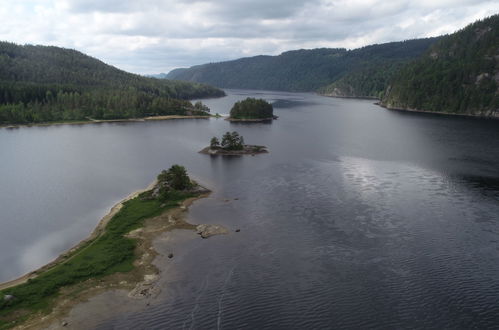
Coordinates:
[309,70]
[43,84]
[252,108]
[459,74]
[369,80]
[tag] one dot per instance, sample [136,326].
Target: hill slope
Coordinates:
[459,74]
[302,70]
[41,83]
[368,80]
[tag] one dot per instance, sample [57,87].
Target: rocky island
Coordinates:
[252,110]
[232,145]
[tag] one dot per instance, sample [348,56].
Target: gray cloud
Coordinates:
[107,6]
[259,9]
[151,36]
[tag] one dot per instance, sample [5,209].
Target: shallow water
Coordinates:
[358,218]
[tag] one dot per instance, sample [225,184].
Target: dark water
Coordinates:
[358,218]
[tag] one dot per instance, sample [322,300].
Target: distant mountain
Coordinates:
[309,70]
[157,76]
[44,83]
[458,74]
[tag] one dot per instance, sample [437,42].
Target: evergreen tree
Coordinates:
[252,108]
[55,84]
[456,75]
[176,177]
[201,107]
[214,142]
[232,141]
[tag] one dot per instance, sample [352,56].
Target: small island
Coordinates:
[232,145]
[252,110]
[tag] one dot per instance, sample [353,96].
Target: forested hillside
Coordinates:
[309,70]
[459,74]
[368,80]
[43,84]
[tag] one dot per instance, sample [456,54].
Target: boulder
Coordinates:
[210,230]
[158,188]
[8,297]
[198,189]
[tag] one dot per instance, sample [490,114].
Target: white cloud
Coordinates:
[151,36]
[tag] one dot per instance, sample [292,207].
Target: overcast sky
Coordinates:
[152,36]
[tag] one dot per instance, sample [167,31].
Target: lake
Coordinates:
[359,217]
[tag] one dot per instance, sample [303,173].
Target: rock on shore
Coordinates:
[210,230]
[248,149]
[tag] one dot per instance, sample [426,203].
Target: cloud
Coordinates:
[151,36]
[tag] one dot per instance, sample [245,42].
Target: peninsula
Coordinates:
[232,145]
[118,253]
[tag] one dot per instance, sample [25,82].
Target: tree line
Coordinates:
[230,141]
[43,84]
[305,69]
[115,104]
[457,75]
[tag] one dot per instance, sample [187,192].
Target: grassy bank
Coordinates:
[109,253]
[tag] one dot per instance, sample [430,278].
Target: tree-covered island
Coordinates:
[252,109]
[232,144]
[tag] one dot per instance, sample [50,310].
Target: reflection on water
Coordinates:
[290,103]
[484,184]
[357,218]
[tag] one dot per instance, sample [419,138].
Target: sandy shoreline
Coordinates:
[65,255]
[100,121]
[139,282]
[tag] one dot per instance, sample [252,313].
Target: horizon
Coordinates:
[156,36]
[292,50]
[235,59]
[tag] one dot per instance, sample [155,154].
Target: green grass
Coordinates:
[107,254]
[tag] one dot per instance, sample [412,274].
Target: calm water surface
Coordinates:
[358,218]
